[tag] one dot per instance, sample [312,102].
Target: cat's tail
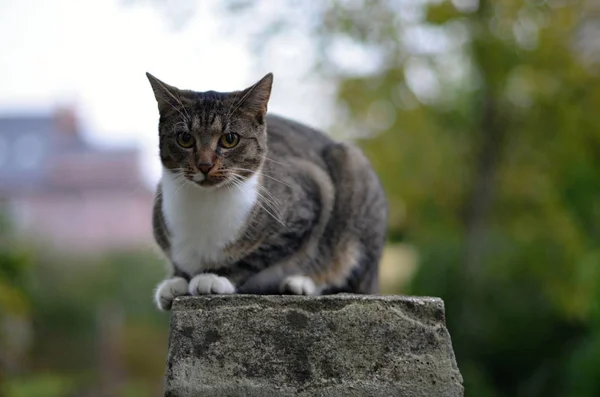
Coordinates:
[357,225]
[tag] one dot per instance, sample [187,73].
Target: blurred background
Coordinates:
[479,116]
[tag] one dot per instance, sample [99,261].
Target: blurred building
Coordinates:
[60,190]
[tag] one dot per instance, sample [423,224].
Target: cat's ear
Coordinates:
[256,97]
[166,95]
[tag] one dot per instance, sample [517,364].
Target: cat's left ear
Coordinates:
[166,95]
[257,96]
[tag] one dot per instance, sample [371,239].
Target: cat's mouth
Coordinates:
[209,180]
[220,178]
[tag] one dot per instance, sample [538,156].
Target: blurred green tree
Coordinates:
[101,309]
[89,324]
[15,310]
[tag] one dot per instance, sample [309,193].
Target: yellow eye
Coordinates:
[185,140]
[228,141]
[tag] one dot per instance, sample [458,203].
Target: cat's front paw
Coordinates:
[208,283]
[168,290]
[298,285]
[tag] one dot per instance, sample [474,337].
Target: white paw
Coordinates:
[208,283]
[168,290]
[298,285]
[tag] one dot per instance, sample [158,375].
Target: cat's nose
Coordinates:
[205,167]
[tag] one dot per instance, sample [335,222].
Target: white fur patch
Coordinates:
[208,283]
[168,290]
[203,221]
[299,285]
[199,177]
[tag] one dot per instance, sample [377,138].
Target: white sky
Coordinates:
[96,53]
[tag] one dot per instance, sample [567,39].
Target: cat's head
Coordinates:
[212,138]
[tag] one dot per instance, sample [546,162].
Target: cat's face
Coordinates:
[212,139]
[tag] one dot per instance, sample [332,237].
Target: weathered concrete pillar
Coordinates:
[330,346]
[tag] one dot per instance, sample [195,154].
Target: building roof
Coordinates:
[47,152]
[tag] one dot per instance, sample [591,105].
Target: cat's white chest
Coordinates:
[203,221]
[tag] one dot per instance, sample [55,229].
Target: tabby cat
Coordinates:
[252,203]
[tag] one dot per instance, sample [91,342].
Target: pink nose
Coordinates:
[205,167]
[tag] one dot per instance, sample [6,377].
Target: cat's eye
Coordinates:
[228,141]
[185,140]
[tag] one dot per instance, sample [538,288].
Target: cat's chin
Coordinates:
[213,183]
[210,182]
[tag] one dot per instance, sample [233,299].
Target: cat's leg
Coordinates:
[177,285]
[289,277]
[210,283]
[202,284]
[168,290]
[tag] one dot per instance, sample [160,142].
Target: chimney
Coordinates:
[66,121]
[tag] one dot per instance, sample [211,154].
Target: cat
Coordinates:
[252,203]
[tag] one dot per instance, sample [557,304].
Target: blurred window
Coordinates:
[28,151]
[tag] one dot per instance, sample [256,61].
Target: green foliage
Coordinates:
[441,13]
[14,264]
[93,326]
[37,386]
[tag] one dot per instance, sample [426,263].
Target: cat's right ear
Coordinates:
[256,98]
[166,95]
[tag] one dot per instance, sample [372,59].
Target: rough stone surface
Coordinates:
[333,346]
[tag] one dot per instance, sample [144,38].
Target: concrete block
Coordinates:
[333,346]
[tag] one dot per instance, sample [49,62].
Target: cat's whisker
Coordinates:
[272,215]
[177,171]
[266,191]
[189,118]
[270,203]
[178,99]
[236,182]
[240,102]
[259,203]
[239,180]
[271,200]
[261,173]
[263,188]
[276,180]
[182,180]
[185,117]
[271,196]
[273,161]
[250,228]
[232,108]
[272,207]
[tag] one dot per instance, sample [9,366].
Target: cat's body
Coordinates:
[297,213]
